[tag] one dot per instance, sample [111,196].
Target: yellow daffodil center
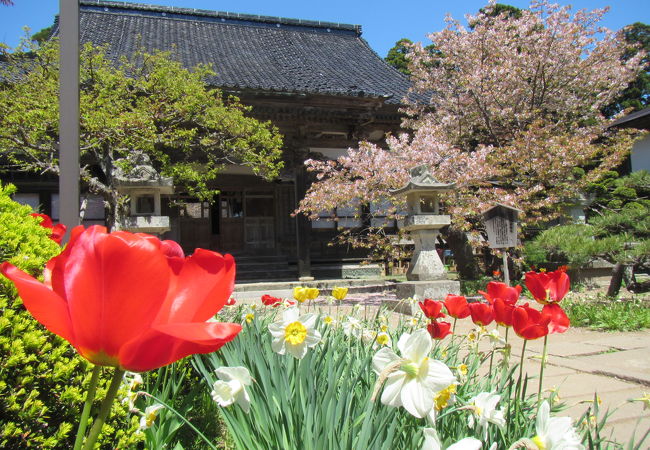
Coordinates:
[384,328]
[539,443]
[295,333]
[441,399]
[383,339]
[462,369]
[328,320]
[150,417]
[249,317]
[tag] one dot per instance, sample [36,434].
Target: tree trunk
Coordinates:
[617,278]
[466,264]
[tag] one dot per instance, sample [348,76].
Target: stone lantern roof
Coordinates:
[422,181]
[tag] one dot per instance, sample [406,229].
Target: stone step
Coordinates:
[343,271]
[284,289]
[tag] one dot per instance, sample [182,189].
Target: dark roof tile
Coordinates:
[249,52]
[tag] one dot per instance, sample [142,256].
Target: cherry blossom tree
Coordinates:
[513,115]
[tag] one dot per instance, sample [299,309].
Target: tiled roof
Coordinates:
[247,51]
[637,119]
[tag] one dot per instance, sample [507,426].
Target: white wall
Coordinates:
[640,157]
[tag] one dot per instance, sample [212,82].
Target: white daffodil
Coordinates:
[484,412]
[294,333]
[149,416]
[413,379]
[432,442]
[495,338]
[132,381]
[231,387]
[555,433]
[352,327]
[368,336]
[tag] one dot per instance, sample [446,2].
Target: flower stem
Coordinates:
[90,396]
[180,416]
[519,382]
[541,369]
[521,367]
[105,409]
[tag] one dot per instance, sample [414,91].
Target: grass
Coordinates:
[608,315]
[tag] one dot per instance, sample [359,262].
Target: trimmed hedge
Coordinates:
[42,379]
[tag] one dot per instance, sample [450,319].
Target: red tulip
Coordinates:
[439,330]
[269,300]
[129,301]
[231,301]
[529,323]
[496,289]
[548,287]
[496,273]
[559,321]
[431,308]
[456,306]
[503,312]
[57,231]
[482,313]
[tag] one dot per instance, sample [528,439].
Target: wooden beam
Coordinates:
[69,112]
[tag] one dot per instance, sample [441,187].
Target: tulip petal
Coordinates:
[559,320]
[200,288]
[42,302]
[115,284]
[536,284]
[168,343]
[560,285]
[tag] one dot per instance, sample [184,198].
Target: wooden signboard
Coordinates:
[501,225]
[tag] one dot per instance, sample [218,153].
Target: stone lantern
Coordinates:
[426,275]
[144,186]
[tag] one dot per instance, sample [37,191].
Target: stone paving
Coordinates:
[581,363]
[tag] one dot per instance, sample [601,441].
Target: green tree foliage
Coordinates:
[618,228]
[148,103]
[396,56]
[637,95]
[43,35]
[500,10]
[42,379]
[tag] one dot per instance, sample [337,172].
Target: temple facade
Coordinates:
[319,83]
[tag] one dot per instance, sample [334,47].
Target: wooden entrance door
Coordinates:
[259,221]
[231,221]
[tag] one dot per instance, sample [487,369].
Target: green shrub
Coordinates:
[42,379]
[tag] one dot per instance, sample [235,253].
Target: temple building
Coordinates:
[319,83]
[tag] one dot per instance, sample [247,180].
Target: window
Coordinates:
[232,205]
[28,199]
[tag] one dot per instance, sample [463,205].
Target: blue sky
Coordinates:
[383,21]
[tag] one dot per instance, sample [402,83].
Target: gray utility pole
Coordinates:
[69,113]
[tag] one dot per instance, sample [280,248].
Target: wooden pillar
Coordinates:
[303,224]
[69,113]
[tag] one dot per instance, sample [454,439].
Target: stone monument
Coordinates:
[137,178]
[426,276]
